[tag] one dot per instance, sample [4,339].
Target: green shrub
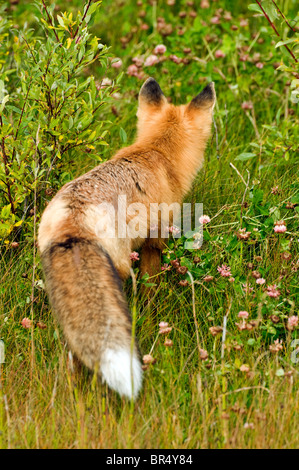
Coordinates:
[50,108]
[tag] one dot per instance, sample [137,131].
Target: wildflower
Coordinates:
[165,330]
[276,347]
[289,373]
[260,281]
[26,322]
[175,263]
[244,368]
[272,291]
[243,22]
[117,64]
[292,322]
[204,219]
[231,279]
[196,245]
[290,205]
[132,70]
[182,270]
[148,359]
[204,4]
[243,314]
[275,319]
[248,426]
[196,259]
[14,244]
[215,330]
[138,61]
[134,256]
[275,190]
[244,58]
[168,343]
[286,255]
[165,267]
[203,354]
[175,59]
[236,407]
[258,258]
[247,287]
[215,20]
[208,278]
[246,104]
[219,54]
[173,229]
[256,274]
[151,60]
[184,283]
[197,236]
[227,16]
[280,228]
[242,234]
[41,325]
[259,65]
[224,270]
[295,266]
[144,27]
[241,326]
[160,49]
[237,346]
[165,29]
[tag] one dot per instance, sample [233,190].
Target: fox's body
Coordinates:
[83,269]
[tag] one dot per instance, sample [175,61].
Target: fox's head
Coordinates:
[155,114]
[180,131]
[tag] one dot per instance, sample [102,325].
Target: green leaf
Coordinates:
[279,373]
[123,135]
[61,21]
[251,342]
[4,100]
[245,156]
[14,108]
[270,9]
[288,41]
[254,7]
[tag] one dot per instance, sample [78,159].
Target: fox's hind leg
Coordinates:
[150,260]
[150,264]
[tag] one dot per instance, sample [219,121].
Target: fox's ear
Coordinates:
[151,94]
[205,100]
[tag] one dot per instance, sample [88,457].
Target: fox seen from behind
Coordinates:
[84,270]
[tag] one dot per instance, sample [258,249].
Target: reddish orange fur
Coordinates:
[79,266]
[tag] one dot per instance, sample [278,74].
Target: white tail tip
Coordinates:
[116,368]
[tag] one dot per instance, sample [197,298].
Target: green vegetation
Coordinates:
[67,103]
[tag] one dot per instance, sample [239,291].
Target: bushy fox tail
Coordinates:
[86,294]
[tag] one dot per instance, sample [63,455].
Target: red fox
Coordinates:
[83,268]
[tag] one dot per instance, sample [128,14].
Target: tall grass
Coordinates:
[46,401]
